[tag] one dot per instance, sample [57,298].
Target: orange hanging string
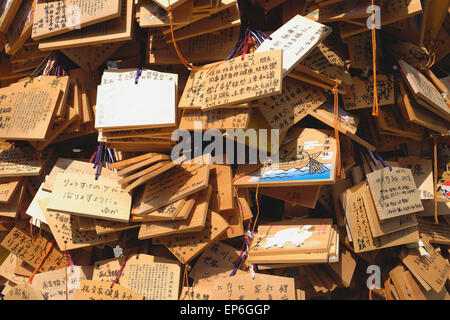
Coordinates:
[257,201]
[374,58]
[47,252]
[435,180]
[186,278]
[186,63]
[336,131]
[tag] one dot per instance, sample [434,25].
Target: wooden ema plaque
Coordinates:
[236,81]
[60,16]
[326,63]
[360,50]
[421,169]
[64,165]
[84,195]
[115,30]
[360,95]
[67,237]
[359,228]
[196,221]
[27,111]
[194,90]
[394,192]
[168,212]
[216,259]
[8,266]
[15,207]
[127,75]
[263,287]
[377,227]
[32,252]
[186,246]
[110,113]
[432,268]
[311,160]
[275,261]
[297,100]
[19,162]
[22,292]
[153,277]
[424,91]
[418,114]
[52,284]
[221,119]
[297,38]
[299,236]
[99,290]
[175,184]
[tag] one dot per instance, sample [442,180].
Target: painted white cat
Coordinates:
[294,235]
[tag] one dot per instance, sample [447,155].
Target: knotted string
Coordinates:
[336,130]
[248,235]
[257,201]
[183,60]
[47,252]
[256,36]
[244,252]
[374,59]
[187,268]
[120,271]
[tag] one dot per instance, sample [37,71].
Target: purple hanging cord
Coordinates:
[373,159]
[138,75]
[244,252]
[98,159]
[382,161]
[257,36]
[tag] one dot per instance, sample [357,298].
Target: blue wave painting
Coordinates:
[294,174]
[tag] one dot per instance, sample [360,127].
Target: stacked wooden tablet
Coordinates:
[223,149]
